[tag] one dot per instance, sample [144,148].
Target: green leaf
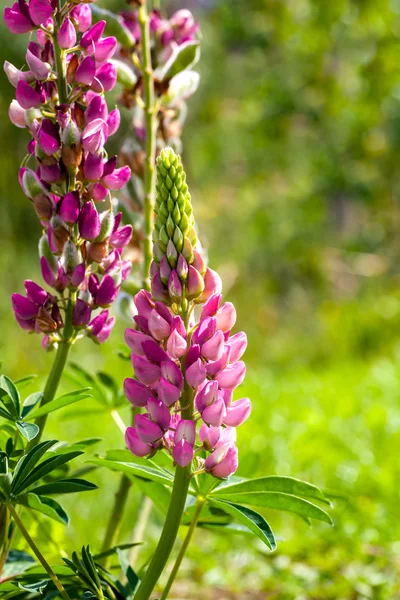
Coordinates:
[114,549]
[184,56]
[65,486]
[209,515]
[278,501]
[23,382]
[288,485]
[108,381]
[61,401]
[182,86]
[44,468]
[27,462]
[46,506]
[6,415]
[28,430]
[10,396]
[250,519]
[30,403]
[114,26]
[135,470]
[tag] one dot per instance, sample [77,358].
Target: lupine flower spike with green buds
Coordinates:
[186,369]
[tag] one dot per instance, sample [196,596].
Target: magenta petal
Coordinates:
[238,345]
[232,376]
[107,76]
[148,431]
[176,345]
[154,352]
[92,35]
[159,328]
[47,272]
[137,393]
[35,293]
[94,166]
[215,413]
[183,453]
[134,339]
[23,308]
[226,317]
[86,71]
[104,49]
[238,412]
[17,22]
[121,237]
[223,462]
[95,135]
[196,374]
[26,96]
[186,430]
[135,445]
[40,11]
[117,179]
[214,347]
[113,121]
[167,392]
[66,34]
[145,371]
[159,413]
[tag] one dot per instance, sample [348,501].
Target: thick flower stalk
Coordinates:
[67,173]
[173,351]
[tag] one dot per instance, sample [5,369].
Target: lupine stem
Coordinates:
[60,64]
[150,118]
[38,554]
[183,549]
[169,533]
[174,514]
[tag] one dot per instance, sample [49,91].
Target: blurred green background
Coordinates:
[292,147]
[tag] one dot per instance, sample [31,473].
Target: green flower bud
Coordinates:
[44,250]
[174,216]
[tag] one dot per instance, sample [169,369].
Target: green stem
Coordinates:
[174,514]
[38,554]
[59,56]
[169,533]
[150,119]
[56,370]
[114,523]
[182,551]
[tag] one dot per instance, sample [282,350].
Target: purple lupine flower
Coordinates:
[185,370]
[67,142]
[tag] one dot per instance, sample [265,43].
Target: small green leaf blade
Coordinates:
[279,501]
[250,519]
[44,468]
[27,462]
[135,470]
[61,402]
[10,398]
[184,56]
[30,402]
[46,506]
[287,485]
[28,430]
[65,486]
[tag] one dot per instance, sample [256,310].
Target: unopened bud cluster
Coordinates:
[179,361]
[67,173]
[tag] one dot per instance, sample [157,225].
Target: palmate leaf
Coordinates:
[249,518]
[46,506]
[288,485]
[44,468]
[61,402]
[278,500]
[136,470]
